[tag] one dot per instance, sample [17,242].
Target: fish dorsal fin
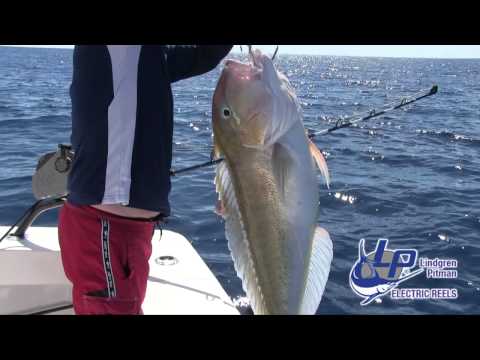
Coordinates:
[320,161]
[320,262]
[237,238]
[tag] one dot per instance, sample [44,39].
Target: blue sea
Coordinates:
[412,176]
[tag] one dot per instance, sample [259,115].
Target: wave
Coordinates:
[448,135]
[40,120]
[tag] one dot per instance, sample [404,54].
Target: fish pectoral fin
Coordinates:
[320,262]
[220,208]
[320,161]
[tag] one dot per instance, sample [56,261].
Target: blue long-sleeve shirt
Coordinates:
[122,120]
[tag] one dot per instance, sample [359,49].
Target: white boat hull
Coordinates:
[32,280]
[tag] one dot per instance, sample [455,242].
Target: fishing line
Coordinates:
[339,124]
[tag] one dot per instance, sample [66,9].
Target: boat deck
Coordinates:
[32,280]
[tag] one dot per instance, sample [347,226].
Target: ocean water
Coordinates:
[412,176]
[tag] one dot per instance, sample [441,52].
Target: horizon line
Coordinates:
[236,52]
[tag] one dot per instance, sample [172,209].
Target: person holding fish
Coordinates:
[122,129]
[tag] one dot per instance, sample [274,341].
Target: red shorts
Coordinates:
[105,257]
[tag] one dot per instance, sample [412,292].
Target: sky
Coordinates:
[422,51]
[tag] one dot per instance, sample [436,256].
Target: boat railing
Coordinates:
[34,212]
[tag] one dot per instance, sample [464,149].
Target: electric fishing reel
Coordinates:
[51,175]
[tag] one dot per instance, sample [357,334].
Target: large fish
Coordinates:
[268,189]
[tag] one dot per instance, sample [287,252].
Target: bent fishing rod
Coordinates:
[339,124]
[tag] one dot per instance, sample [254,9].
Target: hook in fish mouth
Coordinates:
[252,55]
[275,53]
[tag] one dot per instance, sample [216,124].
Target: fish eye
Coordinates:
[226,112]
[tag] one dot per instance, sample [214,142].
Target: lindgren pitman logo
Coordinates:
[381,271]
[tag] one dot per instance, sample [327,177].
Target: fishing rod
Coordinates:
[43,205]
[347,122]
[339,124]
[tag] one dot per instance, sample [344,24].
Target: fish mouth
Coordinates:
[241,71]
